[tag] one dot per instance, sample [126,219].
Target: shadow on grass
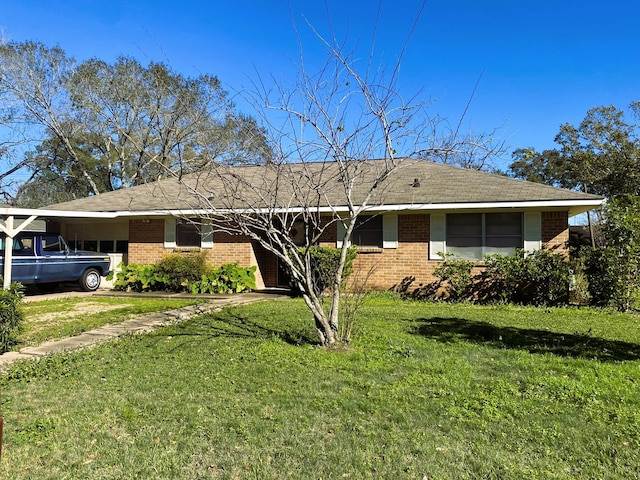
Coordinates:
[534,341]
[232,325]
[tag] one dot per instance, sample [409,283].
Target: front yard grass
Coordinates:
[66,317]
[425,391]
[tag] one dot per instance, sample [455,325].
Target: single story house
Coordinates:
[419,212]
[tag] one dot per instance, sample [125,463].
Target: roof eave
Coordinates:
[574,207]
[28,212]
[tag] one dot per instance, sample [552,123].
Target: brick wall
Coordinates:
[555,231]
[389,266]
[146,241]
[392,266]
[146,246]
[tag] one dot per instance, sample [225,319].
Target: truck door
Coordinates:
[53,263]
[23,265]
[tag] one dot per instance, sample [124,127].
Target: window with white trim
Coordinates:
[473,235]
[367,232]
[372,231]
[187,233]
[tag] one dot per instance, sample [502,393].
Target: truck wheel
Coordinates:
[90,280]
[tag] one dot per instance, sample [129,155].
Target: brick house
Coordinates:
[422,210]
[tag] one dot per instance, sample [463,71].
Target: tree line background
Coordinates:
[81,129]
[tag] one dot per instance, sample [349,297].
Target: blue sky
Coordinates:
[540,63]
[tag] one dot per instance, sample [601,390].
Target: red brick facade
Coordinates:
[555,231]
[389,266]
[146,245]
[146,241]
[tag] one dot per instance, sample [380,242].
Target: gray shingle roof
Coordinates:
[416,182]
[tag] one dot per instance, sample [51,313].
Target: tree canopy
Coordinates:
[92,127]
[600,156]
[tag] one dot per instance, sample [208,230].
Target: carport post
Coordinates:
[8,252]
[10,233]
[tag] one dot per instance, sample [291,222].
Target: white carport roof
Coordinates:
[8,216]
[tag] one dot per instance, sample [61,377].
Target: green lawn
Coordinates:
[426,391]
[66,317]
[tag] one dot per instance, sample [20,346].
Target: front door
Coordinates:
[284,277]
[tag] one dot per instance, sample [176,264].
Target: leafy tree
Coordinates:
[548,167]
[55,177]
[152,119]
[600,156]
[34,97]
[96,126]
[614,269]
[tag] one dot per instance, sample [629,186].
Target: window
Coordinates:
[90,245]
[122,246]
[184,233]
[372,231]
[53,244]
[21,246]
[473,235]
[187,233]
[113,246]
[368,232]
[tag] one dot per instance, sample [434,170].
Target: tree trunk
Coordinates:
[326,334]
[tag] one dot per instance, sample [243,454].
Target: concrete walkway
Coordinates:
[141,324]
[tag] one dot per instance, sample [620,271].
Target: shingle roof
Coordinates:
[416,182]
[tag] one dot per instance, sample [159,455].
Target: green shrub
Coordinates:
[139,278]
[229,278]
[613,278]
[456,272]
[324,263]
[614,270]
[539,278]
[11,315]
[178,271]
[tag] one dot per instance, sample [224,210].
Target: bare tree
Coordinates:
[33,93]
[94,127]
[324,133]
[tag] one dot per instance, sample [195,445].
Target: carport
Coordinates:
[15,220]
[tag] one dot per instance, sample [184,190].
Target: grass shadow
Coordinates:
[574,345]
[230,324]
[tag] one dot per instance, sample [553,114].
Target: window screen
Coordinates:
[187,234]
[368,232]
[503,233]
[473,235]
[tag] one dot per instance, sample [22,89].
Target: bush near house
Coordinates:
[613,270]
[186,273]
[538,278]
[11,316]
[613,278]
[456,274]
